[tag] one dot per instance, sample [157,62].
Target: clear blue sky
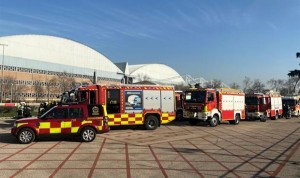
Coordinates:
[214,39]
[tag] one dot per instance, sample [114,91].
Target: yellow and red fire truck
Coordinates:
[264,105]
[80,119]
[148,105]
[214,105]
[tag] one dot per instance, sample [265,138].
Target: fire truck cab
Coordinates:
[214,105]
[80,119]
[148,105]
[264,105]
[293,103]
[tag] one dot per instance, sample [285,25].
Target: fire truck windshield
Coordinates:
[290,102]
[195,96]
[252,101]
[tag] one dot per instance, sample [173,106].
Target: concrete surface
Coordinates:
[250,149]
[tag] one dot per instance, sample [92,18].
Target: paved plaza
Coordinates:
[250,149]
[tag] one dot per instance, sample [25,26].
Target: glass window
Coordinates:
[58,113]
[75,113]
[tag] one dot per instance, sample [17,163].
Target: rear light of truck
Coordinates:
[105,120]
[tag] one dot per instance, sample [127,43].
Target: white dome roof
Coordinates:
[56,50]
[158,73]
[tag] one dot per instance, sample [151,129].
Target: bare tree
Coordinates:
[39,90]
[181,87]
[18,89]
[234,85]
[296,75]
[247,84]
[258,86]
[276,84]
[143,77]
[215,84]
[8,85]
[66,83]
[51,87]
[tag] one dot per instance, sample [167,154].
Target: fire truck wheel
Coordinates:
[151,122]
[213,122]
[88,134]
[275,117]
[26,136]
[263,118]
[236,120]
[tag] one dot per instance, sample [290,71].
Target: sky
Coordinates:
[226,40]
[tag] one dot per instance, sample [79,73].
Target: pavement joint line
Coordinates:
[245,161]
[187,161]
[296,146]
[17,152]
[215,160]
[266,140]
[64,161]
[260,154]
[20,170]
[168,127]
[127,161]
[266,148]
[4,145]
[96,159]
[279,152]
[158,162]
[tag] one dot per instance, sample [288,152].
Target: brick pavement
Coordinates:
[250,149]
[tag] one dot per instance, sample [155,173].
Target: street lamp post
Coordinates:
[11,92]
[2,67]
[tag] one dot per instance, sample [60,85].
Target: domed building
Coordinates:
[157,73]
[39,67]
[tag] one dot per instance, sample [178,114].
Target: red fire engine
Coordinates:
[130,104]
[214,105]
[264,105]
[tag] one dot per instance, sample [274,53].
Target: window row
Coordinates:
[29,95]
[37,71]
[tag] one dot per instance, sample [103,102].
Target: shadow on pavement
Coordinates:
[7,123]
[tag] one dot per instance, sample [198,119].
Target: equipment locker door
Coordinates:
[167,101]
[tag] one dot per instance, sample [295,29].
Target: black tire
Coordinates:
[193,121]
[151,122]
[214,121]
[88,134]
[275,117]
[236,120]
[263,118]
[26,136]
[179,116]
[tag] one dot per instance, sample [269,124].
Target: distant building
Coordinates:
[37,68]
[157,73]
[31,62]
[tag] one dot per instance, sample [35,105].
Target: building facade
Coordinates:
[38,68]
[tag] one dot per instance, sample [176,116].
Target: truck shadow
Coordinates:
[10,139]
[7,123]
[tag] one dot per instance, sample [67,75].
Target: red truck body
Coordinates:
[264,105]
[214,105]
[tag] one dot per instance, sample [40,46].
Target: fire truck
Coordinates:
[214,105]
[79,119]
[148,105]
[264,105]
[293,103]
